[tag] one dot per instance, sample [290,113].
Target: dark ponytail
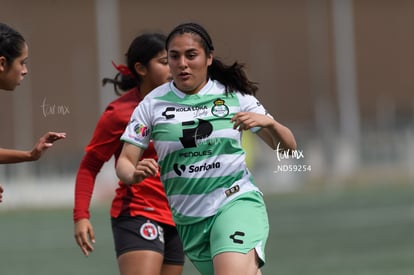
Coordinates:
[233,77]
[123,81]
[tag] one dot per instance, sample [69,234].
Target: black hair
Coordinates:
[11,43]
[142,49]
[233,77]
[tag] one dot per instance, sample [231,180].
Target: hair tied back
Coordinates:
[122,69]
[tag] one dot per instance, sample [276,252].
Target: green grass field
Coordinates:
[358,231]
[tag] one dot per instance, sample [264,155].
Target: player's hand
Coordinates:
[84,236]
[145,168]
[44,143]
[247,120]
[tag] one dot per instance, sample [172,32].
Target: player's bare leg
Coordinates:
[233,263]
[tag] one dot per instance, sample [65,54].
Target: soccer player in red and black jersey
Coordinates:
[146,241]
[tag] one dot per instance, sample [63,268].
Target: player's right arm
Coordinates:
[84,185]
[130,169]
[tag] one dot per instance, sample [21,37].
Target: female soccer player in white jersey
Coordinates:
[196,122]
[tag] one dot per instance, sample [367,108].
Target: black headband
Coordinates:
[194,28]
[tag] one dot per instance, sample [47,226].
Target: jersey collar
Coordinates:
[209,85]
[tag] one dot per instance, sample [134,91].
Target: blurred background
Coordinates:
[338,73]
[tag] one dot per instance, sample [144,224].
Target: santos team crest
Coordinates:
[219,109]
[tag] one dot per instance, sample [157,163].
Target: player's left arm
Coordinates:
[272,132]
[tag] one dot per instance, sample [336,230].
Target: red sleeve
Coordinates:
[104,144]
[85,182]
[106,138]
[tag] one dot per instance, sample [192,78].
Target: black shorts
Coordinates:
[140,233]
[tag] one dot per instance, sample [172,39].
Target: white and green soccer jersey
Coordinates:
[202,162]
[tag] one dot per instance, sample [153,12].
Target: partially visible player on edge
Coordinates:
[1,193]
[14,53]
[145,237]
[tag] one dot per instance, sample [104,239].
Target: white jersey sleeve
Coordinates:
[138,130]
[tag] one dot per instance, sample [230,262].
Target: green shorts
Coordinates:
[239,226]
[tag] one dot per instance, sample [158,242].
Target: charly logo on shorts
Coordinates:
[236,235]
[149,231]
